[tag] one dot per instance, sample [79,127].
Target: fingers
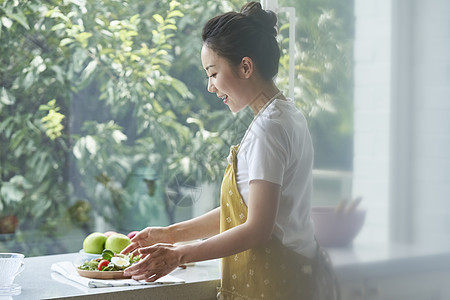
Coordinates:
[157,261]
[142,267]
[136,242]
[129,248]
[156,276]
[140,236]
[148,271]
[136,268]
[152,275]
[149,278]
[143,277]
[154,248]
[147,250]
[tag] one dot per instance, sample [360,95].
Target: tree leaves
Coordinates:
[158,18]
[13,14]
[52,121]
[128,90]
[6,97]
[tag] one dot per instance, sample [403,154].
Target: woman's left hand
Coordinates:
[158,260]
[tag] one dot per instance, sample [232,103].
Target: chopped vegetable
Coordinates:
[93,264]
[104,263]
[107,254]
[110,261]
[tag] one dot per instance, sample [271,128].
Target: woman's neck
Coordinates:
[263,96]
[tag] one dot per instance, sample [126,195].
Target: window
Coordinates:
[106,124]
[323,88]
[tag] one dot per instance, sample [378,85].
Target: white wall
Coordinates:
[372,114]
[402,118]
[430,108]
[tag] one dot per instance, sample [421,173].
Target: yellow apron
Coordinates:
[271,271]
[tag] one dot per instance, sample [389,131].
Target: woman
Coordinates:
[262,230]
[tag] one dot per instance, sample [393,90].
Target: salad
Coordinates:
[110,261]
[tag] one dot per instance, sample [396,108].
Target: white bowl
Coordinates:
[83,256]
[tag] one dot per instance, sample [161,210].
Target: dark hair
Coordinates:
[251,33]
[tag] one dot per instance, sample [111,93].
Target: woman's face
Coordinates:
[223,79]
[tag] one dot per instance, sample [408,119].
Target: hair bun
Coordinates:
[264,19]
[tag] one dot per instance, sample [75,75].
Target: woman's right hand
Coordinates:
[147,237]
[200,227]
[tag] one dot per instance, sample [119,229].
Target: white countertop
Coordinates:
[372,260]
[38,282]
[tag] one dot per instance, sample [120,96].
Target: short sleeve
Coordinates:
[266,151]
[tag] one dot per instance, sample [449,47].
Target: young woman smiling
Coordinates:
[262,229]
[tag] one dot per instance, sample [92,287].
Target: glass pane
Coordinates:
[324,36]
[106,123]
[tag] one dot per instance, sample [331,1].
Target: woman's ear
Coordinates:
[246,67]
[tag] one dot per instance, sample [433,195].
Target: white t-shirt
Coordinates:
[278,149]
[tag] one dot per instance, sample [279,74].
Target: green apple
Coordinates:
[94,243]
[117,242]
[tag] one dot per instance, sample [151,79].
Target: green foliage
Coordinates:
[115,105]
[52,121]
[12,193]
[324,76]
[91,91]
